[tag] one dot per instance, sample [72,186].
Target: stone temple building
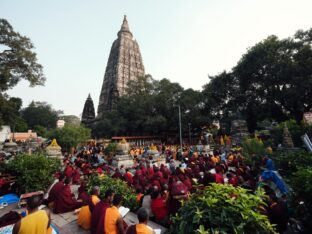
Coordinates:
[124,64]
[88,114]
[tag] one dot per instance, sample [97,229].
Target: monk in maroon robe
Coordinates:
[144,171]
[150,170]
[98,213]
[117,174]
[66,201]
[82,192]
[128,177]
[76,176]
[55,190]
[68,171]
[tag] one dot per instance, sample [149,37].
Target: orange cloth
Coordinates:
[35,223]
[141,228]
[110,223]
[84,216]
[49,231]
[214,159]
[139,196]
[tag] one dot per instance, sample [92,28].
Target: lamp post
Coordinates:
[180,127]
[190,138]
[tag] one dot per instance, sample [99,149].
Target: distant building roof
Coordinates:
[23,136]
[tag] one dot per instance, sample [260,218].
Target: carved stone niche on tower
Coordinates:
[239,131]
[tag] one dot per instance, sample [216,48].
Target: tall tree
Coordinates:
[17,60]
[70,136]
[40,113]
[10,113]
[273,80]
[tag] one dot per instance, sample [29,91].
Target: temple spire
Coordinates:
[88,114]
[124,30]
[124,64]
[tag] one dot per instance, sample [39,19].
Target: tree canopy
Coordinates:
[273,80]
[70,136]
[40,114]
[17,60]
[150,107]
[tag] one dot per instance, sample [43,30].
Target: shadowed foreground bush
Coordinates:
[222,209]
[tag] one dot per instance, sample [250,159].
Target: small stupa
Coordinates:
[239,131]
[55,151]
[122,156]
[287,140]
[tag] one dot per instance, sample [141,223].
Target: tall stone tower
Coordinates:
[88,114]
[124,64]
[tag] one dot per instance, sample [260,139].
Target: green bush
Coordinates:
[301,183]
[289,162]
[33,172]
[253,151]
[296,169]
[111,148]
[118,186]
[222,209]
[70,136]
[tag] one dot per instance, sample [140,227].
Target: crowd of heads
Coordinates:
[161,186]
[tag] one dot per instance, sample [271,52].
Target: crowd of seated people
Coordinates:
[160,188]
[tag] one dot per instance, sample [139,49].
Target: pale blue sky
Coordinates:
[181,40]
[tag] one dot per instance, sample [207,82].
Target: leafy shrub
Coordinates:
[111,148]
[301,184]
[253,151]
[289,162]
[296,168]
[33,172]
[222,209]
[118,186]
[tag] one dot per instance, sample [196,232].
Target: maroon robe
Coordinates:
[55,190]
[98,217]
[65,201]
[144,171]
[117,175]
[76,176]
[128,178]
[187,182]
[68,171]
[150,171]
[132,229]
